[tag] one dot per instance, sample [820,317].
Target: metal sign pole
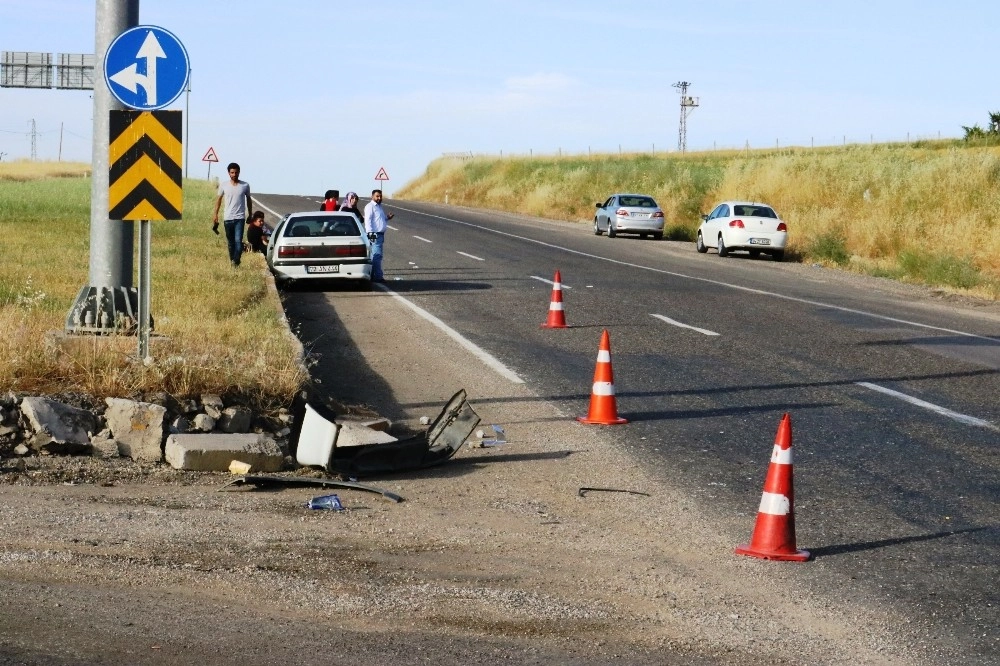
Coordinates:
[145,286]
[109,287]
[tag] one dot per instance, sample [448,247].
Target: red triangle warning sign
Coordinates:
[381,175]
[210,156]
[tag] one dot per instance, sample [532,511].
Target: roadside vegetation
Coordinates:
[924,212]
[216,329]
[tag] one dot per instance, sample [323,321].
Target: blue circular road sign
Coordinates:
[146,68]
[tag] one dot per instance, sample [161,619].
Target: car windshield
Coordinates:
[638,202]
[754,211]
[312,227]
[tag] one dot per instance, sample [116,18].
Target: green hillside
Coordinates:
[925,212]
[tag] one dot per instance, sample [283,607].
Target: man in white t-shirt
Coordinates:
[239,206]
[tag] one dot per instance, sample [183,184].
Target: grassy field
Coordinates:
[925,212]
[217,328]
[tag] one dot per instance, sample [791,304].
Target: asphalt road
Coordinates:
[892,392]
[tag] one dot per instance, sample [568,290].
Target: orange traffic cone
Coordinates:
[557,319]
[603,408]
[774,533]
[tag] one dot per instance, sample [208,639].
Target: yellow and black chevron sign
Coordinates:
[145,156]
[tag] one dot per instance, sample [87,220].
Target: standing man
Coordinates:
[376,220]
[239,206]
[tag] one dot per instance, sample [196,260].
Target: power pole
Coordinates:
[109,297]
[34,141]
[687,105]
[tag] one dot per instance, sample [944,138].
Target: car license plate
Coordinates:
[642,215]
[323,269]
[760,241]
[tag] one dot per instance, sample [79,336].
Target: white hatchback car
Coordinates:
[743,225]
[320,246]
[629,214]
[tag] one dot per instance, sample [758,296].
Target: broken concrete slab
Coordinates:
[354,434]
[235,420]
[215,452]
[204,423]
[212,404]
[58,428]
[137,427]
[381,424]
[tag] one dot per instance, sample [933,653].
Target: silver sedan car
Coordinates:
[629,214]
[320,246]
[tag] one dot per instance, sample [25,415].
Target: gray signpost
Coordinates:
[159,81]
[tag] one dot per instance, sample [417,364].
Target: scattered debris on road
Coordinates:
[582,492]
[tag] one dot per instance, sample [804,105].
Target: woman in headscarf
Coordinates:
[351,204]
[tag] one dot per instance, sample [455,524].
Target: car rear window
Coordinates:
[313,227]
[638,202]
[755,211]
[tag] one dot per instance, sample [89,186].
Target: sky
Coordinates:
[310,95]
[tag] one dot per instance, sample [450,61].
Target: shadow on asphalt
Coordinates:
[842,549]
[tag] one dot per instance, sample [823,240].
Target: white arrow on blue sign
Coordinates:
[146,68]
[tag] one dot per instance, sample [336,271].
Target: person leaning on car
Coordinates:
[256,234]
[376,220]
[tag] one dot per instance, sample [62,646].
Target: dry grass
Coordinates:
[27,170]
[216,329]
[924,212]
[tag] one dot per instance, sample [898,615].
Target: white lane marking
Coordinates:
[961,418]
[421,238]
[674,322]
[258,203]
[541,279]
[761,292]
[471,256]
[476,351]
[389,226]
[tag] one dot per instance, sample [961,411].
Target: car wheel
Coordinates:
[700,245]
[597,229]
[723,250]
[611,230]
[658,236]
[778,255]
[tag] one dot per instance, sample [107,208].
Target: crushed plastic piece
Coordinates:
[328,502]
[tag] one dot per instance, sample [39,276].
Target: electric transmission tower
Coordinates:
[687,105]
[34,141]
